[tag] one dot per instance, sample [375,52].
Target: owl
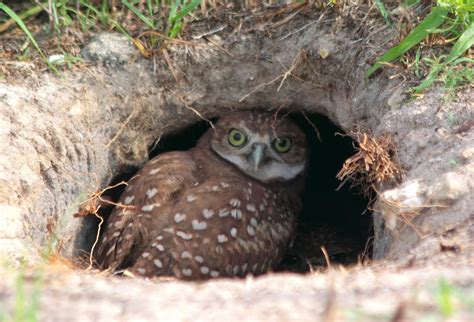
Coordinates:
[227,207]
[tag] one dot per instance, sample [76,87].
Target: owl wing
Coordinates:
[223,227]
[148,194]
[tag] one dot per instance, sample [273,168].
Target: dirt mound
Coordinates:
[65,138]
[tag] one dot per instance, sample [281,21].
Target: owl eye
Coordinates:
[282,145]
[237,138]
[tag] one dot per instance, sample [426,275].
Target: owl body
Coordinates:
[227,207]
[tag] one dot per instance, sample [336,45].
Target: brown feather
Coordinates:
[195,215]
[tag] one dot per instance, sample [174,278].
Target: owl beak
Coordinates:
[257,155]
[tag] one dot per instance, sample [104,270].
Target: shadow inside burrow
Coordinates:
[334,218]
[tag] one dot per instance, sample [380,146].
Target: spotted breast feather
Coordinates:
[227,207]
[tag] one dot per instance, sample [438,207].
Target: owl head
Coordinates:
[263,147]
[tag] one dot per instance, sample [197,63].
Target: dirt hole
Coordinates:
[334,217]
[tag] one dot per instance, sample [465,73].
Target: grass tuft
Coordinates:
[178,10]
[451,21]
[420,32]
[130,17]
[27,32]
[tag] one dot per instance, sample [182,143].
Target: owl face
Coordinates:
[262,147]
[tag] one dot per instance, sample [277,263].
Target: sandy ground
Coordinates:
[427,292]
[434,138]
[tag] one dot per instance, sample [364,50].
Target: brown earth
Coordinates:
[63,138]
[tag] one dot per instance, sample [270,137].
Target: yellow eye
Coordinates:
[237,138]
[282,145]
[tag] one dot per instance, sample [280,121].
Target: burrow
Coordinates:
[335,226]
[126,103]
[323,98]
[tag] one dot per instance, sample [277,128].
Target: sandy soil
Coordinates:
[420,293]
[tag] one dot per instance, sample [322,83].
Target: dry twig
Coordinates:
[298,59]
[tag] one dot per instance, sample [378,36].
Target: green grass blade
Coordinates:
[27,32]
[410,3]
[149,5]
[462,44]
[24,15]
[173,11]
[142,17]
[177,27]
[450,27]
[175,16]
[117,25]
[436,17]
[383,11]
[432,76]
[32,311]
[444,297]
[20,297]
[54,14]
[187,9]
[463,60]
[174,21]
[90,7]
[23,27]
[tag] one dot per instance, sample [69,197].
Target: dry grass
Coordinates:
[374,162]
[264,17]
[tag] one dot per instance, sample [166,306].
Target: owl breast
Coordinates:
[195,215]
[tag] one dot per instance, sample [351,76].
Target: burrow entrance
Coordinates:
[335,218]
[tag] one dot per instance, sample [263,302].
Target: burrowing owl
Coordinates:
[227,207]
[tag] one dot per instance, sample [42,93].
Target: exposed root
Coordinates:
[170,65]
[298,59]
[209,33]
[365,256]
[312,125]
[373,163]
[277,119]
[304,27]
[96,241]
[91,207]
[326,256]
[122,127]
[127,273]
[183,100]
[219,47]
